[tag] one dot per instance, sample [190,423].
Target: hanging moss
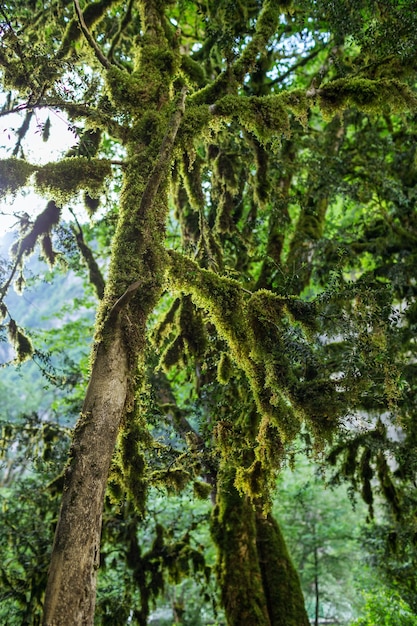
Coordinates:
[174,479]
[68,176]
[167,323]
[14,174]
[252,481]
[202,490]
[192,328]
[224,368]
[41,227]
[20,341]
[266,117]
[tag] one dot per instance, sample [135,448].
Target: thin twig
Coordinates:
[100,56]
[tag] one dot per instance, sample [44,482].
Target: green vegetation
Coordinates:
[248,170]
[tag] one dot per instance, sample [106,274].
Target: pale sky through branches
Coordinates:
[36,151]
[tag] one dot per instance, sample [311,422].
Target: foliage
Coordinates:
[249,172]
[386,608]
[322,529]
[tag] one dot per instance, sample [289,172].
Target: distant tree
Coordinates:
[266,218]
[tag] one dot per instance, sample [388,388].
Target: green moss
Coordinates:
[196,121]
[224,368]
[238,572]
[14,174]
[127,91]
[371,96]
[194,72]
[174,479]
[279,577]
[266,117]
[66,177]
[21,343]
[202,490]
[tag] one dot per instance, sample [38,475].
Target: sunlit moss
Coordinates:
[14,174]
[66,177]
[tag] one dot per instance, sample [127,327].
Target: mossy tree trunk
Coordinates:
[258,582]
[281,583]
[132,291]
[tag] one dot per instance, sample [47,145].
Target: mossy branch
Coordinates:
[264,116]
[164,158]
[368,95]
[93,12]
[266,26]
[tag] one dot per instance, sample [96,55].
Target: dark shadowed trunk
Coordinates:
[281,583]
[258,581]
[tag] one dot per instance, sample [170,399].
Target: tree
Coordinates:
[241,126]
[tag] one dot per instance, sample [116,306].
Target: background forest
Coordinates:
[208,354]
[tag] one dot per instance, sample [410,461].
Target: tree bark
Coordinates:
[70,593]
[239,576]
[281,583]
[258,582]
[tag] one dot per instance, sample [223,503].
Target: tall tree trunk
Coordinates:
[234,533]
[258,582]
[70,594]
[280,579]
[133,289]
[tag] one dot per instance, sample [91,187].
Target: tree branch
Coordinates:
[83,26]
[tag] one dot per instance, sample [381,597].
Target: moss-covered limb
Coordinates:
[163,162]
[280,580]
[233,530]
[222,297]
[14,174]
[64,178]
[266,26]
[253,332]
[227,82]
[90,40]
[368,95]
[123,23]
[263,116]
[261,343]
